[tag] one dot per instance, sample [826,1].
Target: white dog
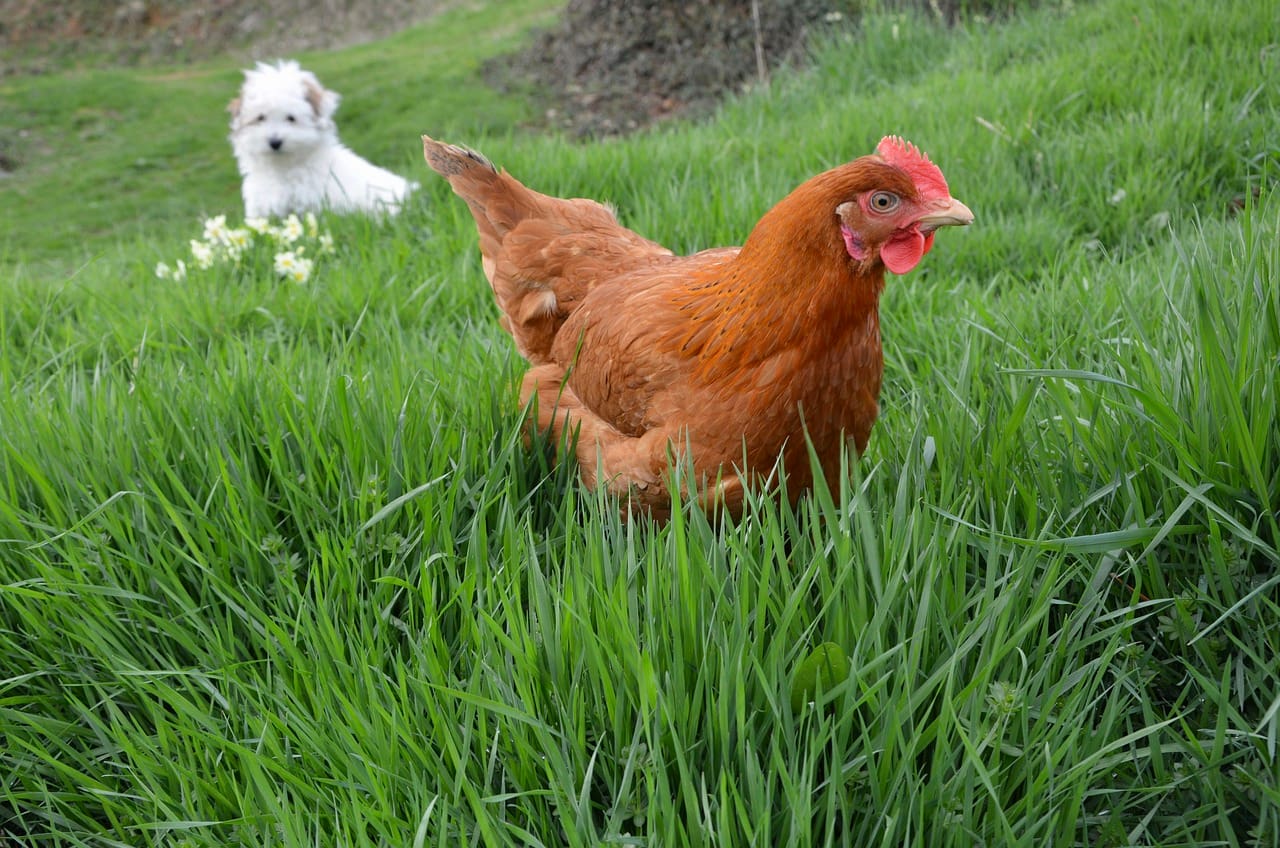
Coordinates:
[287,147]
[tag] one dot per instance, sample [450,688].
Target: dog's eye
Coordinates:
[290,119]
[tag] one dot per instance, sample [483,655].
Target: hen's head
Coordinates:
[886,206]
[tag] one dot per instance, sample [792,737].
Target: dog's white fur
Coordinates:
[287,148]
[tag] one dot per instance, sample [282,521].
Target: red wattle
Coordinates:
[904,250]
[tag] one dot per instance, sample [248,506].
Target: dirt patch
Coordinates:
[608,68]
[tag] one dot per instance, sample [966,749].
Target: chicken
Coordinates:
[725,361]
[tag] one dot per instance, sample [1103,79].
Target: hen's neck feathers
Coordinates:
[793,285]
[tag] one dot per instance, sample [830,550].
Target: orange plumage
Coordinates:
[726,358]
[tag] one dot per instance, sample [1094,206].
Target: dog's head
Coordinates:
[282,110]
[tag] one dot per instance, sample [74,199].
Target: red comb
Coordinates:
[925,174]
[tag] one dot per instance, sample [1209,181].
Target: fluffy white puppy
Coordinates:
[287,147]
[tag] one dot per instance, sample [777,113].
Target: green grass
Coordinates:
[275,567]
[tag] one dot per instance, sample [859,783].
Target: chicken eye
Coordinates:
[290,118]
[884,201]
[260,119]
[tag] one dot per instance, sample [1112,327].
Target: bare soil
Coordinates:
[609,68]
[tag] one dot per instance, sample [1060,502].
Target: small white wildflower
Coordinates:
[293,266]
[833,17]
[301,272]
[236,243]
[326,243]
[180,271]
[261,226]
[202,253]
[215,229]
[291,230]
[1118,198]
[286,261]
[163,271]
[312,226]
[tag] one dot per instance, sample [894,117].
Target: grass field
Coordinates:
[276,569]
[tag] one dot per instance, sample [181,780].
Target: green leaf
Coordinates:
[822,670]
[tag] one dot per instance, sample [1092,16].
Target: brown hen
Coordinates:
[728,359]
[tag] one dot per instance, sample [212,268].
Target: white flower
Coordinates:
[215,229]
[302,272]
[294,238]
[291,230]
[285,261]
[833,17]
[1118,198]
[202,253]
[236,243]
[293,266]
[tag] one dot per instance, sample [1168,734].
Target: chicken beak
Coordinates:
[946,213]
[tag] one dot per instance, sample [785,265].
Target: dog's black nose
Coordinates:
[276,142]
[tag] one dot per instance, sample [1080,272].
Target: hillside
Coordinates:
[280,564]
[41,35]
[97,156]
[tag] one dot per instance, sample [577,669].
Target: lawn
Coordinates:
[276,567]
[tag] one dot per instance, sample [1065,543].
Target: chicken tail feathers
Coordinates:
[498,201]
[541,254]
[450,160]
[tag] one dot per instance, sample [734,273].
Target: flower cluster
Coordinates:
[288,242]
